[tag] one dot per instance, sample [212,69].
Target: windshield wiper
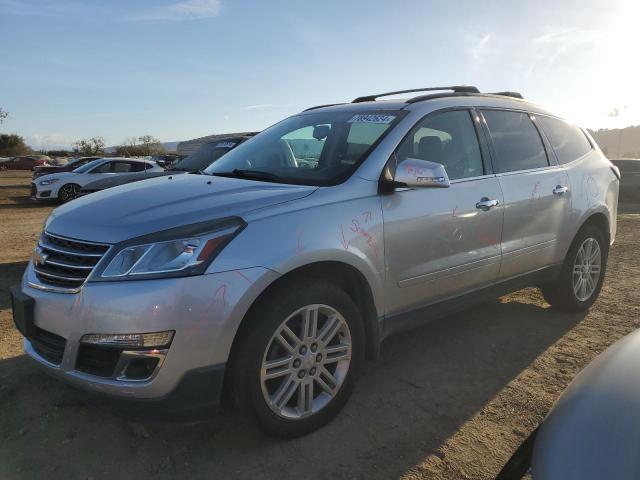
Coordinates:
[250,174]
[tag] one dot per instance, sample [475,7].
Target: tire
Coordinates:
[562,293]
[68,192]
[264,399]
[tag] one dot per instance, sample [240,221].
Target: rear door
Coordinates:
[440,242]
[537,197]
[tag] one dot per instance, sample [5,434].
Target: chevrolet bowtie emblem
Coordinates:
[38,256]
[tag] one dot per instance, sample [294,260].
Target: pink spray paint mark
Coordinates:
[239,273]
[299,247]
[221,294]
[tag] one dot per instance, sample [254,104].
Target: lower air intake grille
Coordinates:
[95,360]
[48,345]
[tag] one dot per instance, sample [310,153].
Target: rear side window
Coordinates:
[516,141]
[121,167]
[138,166]
[568,142]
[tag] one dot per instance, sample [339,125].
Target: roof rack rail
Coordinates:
[509,94]
[455,89]
[322,106]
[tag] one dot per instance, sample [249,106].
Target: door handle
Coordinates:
[560,189]
[486,203]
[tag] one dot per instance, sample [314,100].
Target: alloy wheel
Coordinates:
[69,192]
[306,361]
[586,269]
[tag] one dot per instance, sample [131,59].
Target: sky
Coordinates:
[72,69]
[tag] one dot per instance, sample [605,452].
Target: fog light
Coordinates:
[140,340]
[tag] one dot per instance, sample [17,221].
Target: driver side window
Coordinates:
[448,138]
[104,168]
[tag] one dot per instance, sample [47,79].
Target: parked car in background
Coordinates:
[68,167]
[166,160]
[199,160]
[65,186]
[630,182]
[276,278]
[593,430]
[27,162]
[59,161]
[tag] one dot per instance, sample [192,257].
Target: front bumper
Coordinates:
[44,193]
[204,311]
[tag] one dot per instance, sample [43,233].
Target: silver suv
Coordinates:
[278,271]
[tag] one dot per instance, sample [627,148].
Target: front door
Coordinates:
[440,242]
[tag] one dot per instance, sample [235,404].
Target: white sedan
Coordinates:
[65,186]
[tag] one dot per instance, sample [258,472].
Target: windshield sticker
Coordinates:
[368,118]
[226,145]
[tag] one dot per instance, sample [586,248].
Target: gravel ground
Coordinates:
[450,400]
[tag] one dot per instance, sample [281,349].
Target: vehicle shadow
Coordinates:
[426,385]
[10,274]
[26,202]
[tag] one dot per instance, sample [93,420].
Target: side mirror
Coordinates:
[421,173]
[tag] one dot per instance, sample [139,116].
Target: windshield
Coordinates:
[88,166]
[205,156]
[322,148]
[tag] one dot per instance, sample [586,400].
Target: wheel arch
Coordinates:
[349,278]
[599,220]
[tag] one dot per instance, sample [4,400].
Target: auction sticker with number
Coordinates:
[371,118]
[226,145]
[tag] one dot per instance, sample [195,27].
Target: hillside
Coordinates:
[619,143]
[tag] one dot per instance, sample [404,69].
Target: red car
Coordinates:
[25,163]
[69,167]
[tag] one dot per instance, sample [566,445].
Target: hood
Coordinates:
[593,430]
[58,174]
[139,208]
[48,168]
[121,179]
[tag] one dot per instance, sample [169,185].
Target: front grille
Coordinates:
[48,345]
[66,263]
[100,361]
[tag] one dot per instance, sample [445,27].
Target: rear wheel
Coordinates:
[582,274]
[299,358]
[68,192]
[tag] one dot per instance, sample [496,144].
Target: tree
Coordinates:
[143,146]
[90,146]
[12,145]
[3,115]
[150,145]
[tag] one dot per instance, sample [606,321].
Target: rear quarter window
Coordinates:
[567,141]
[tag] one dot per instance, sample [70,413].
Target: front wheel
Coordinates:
[68,192]
[582,274]
[299,358]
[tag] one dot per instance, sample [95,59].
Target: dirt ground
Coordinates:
[450,400]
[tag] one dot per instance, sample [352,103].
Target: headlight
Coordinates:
[49,182]
[188,254]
